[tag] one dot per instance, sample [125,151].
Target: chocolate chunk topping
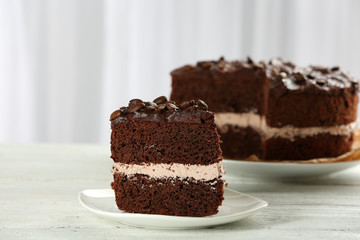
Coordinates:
[274,72]
[284,69]
[150,105]
[115,114]
[225,66]
[275,62]
[164,110]
[257,66]
[171,107]
[290,64]
[204,65]
[124,110]
[186,104]
[283,74]
[323,70]
[249,60]
[309,76]
[263,64]
[134,101]
[187,68]
[160,100]
[162,106]
[299,78]
[320,82]
[136,107]
[202,105]
[312,79]
[336,68]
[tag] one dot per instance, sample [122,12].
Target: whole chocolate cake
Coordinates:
[275,110]
[167,158]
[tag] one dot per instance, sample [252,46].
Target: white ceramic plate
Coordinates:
[235,206]
[283,170]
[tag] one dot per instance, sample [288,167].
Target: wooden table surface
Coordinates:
[39,184]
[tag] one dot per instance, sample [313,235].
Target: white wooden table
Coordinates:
[39,184]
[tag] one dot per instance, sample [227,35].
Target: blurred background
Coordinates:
[65,65]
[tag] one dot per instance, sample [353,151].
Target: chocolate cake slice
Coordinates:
[167,158]
[274,110]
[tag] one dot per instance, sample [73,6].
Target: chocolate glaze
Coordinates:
[285,76]
[162,110]
[312,79]
[221,66]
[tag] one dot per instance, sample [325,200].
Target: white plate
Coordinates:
[235,206]
[236,168]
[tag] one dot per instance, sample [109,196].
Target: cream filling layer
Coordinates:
[258,122]
[174,170]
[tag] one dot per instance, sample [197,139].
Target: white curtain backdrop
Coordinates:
[65,65]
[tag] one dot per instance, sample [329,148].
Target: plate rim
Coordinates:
[356,161]
[279,171]
[208,220]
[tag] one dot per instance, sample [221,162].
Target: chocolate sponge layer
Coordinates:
[310,109]
[165,142]
[240,143]
[319,146]
[168,196]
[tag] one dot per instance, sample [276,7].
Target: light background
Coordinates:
[65,65]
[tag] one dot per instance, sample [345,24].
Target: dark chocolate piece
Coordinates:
[161,110]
